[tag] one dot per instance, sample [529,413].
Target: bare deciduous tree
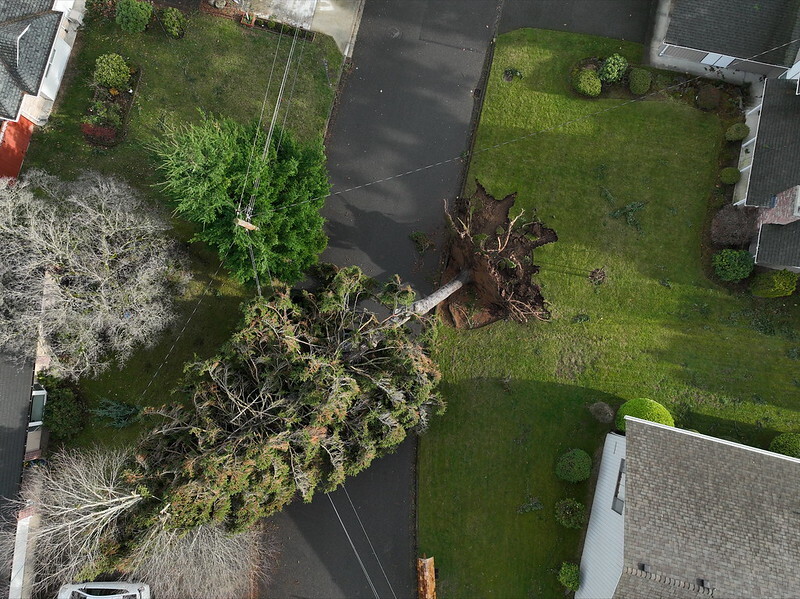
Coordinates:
[79,500]
[206,561]
[86,268]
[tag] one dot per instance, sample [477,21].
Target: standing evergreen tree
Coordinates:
[216,171]
[312,389]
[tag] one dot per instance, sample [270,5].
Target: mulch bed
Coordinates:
[184,5]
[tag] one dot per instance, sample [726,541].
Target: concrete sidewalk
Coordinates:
[336,18]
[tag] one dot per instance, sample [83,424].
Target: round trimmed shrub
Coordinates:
[732,265]
[646,409]
[574,466]
[730,175]
[111,70]
[174,21]
[613,68]
[639,81]
[586,82]
[570,513]
[570,576]
[786,444]
[777,283]
[133,15]
[737,132]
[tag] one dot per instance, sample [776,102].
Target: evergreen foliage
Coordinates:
[570,576]
[574,466]
[737,132]
[311,390]
[786,444]
[586,82]
[776,283]
[732,265]
[174,21]
[133,15]
[646,409]
[111,70]
[211,169]
[639,81]
[613,68]
[64,413]
[730,175]
[118,414]
[571,513]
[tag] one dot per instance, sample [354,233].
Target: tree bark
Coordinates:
[428,303]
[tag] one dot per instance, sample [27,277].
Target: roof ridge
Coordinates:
[670,581]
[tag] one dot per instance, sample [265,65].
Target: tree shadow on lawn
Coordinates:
[492,451]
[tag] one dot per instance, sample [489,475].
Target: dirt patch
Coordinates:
[498,252]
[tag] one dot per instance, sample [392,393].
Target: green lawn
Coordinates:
[518,394]
[218,67]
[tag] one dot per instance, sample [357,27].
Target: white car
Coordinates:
[104,590]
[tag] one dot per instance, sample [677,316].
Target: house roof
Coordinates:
[601,562]
[27,31]
[697,507]
[776,158]
[15,395]
[779,245]
[747,29]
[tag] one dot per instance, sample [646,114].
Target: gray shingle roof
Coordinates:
[702,508]
[738,28]
[27,31]
[15,395]
[779,245]
[776,158]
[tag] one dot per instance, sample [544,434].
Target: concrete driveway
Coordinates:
[406,104]
[619,19]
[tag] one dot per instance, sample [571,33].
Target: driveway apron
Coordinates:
[406,104]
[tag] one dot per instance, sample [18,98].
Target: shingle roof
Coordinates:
[703,508]
[27,31]
[15,395]
[739,28]
[776,159]
[779,245]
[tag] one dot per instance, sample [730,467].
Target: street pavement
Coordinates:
[407,103]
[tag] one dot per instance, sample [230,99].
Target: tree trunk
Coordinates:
[426,304]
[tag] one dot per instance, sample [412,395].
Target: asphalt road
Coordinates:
[406,104]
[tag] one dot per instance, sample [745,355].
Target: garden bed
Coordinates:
[100,128]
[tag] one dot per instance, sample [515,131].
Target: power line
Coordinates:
[466,155]
[352,545]
[364,530]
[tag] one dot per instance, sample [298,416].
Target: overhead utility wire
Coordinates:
[516,139]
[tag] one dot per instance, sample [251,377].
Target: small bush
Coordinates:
[640,80]
[570,513]
[586,82]
[570,576]
[174,21]
[104,115]
[777,283]
[133,15]
[111,70]
[709,98]
[574,466]
[118,414]
[613,68]
[786,444]
[734,225]
[64,413]
[730,175]
[737,132]
[646,409]
[732,265]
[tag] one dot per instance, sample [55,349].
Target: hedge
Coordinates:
[730,175]
[786,444]
[646,409]
[574,466]
[737,132]
[732,265]
[64,414]
[570,576]
[777,283]
[570,513]
[586,82]
[640,80]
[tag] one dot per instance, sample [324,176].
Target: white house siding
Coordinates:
[602,560]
